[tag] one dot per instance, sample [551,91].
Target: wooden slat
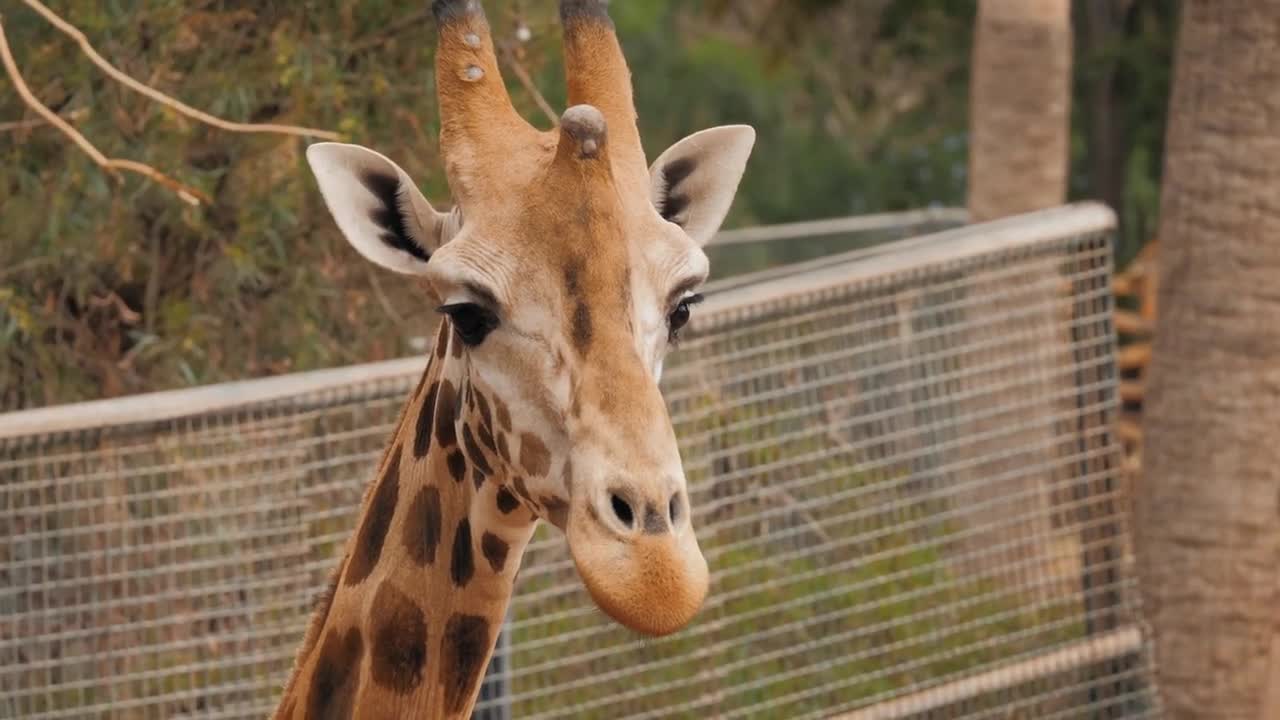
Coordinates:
[1147,292]
[1130,431]
[1133,463]
[1148,299]
[1131,391]
[1131,323]
[1135,356]
[1124,285]
[1140,282]
[1145,261]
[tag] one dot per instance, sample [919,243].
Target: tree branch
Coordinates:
[186,193]
[74,33]
[523,75]
[399,26]
[39,122]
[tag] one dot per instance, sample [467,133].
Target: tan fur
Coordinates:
[556,415]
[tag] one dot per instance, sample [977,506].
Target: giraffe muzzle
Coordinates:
[647,574]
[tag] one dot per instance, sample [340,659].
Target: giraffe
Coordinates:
[564,272]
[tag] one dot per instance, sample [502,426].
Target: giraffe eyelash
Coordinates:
[679,317]
[472,323]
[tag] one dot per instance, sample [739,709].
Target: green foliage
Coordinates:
[1122,80]
[112,287]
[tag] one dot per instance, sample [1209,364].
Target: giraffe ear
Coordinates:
[378,208]
[694,181]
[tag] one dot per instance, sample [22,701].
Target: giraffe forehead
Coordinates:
[576,237]
[526,259]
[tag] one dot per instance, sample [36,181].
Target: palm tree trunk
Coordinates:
[1209,506]
[1019,107]
[1019,127]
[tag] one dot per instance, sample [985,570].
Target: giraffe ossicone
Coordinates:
[564,272]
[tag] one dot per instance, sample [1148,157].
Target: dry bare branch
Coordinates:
[186,193]
[405,23]
[523,76]
[21,125]
[127,314]
[33,123]
[74,33]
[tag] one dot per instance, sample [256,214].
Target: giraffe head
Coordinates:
[566,270]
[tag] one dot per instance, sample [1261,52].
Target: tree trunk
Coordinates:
[1019,107]
[1020,97]
[1209,507]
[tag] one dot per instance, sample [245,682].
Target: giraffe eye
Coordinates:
[471,322]
[680,316]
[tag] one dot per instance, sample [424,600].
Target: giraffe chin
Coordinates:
[652,584]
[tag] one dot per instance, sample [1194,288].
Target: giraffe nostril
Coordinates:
[622,509]
[673,509]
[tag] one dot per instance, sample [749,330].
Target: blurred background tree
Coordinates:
[1019,107]
[106,289]
[1206,530]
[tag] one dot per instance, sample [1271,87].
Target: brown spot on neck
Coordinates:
[557,510]
[534,456]
[466,647]
[495,551]
[398,648]
[336,677]
[503,413]
[422,526]
[462,565]
[486,437]
[377,520]
[486,418]
[457,466]
[446,415]
[474,453]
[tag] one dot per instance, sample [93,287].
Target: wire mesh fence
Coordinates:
[900,462]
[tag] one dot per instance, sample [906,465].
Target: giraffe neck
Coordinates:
[415,606]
